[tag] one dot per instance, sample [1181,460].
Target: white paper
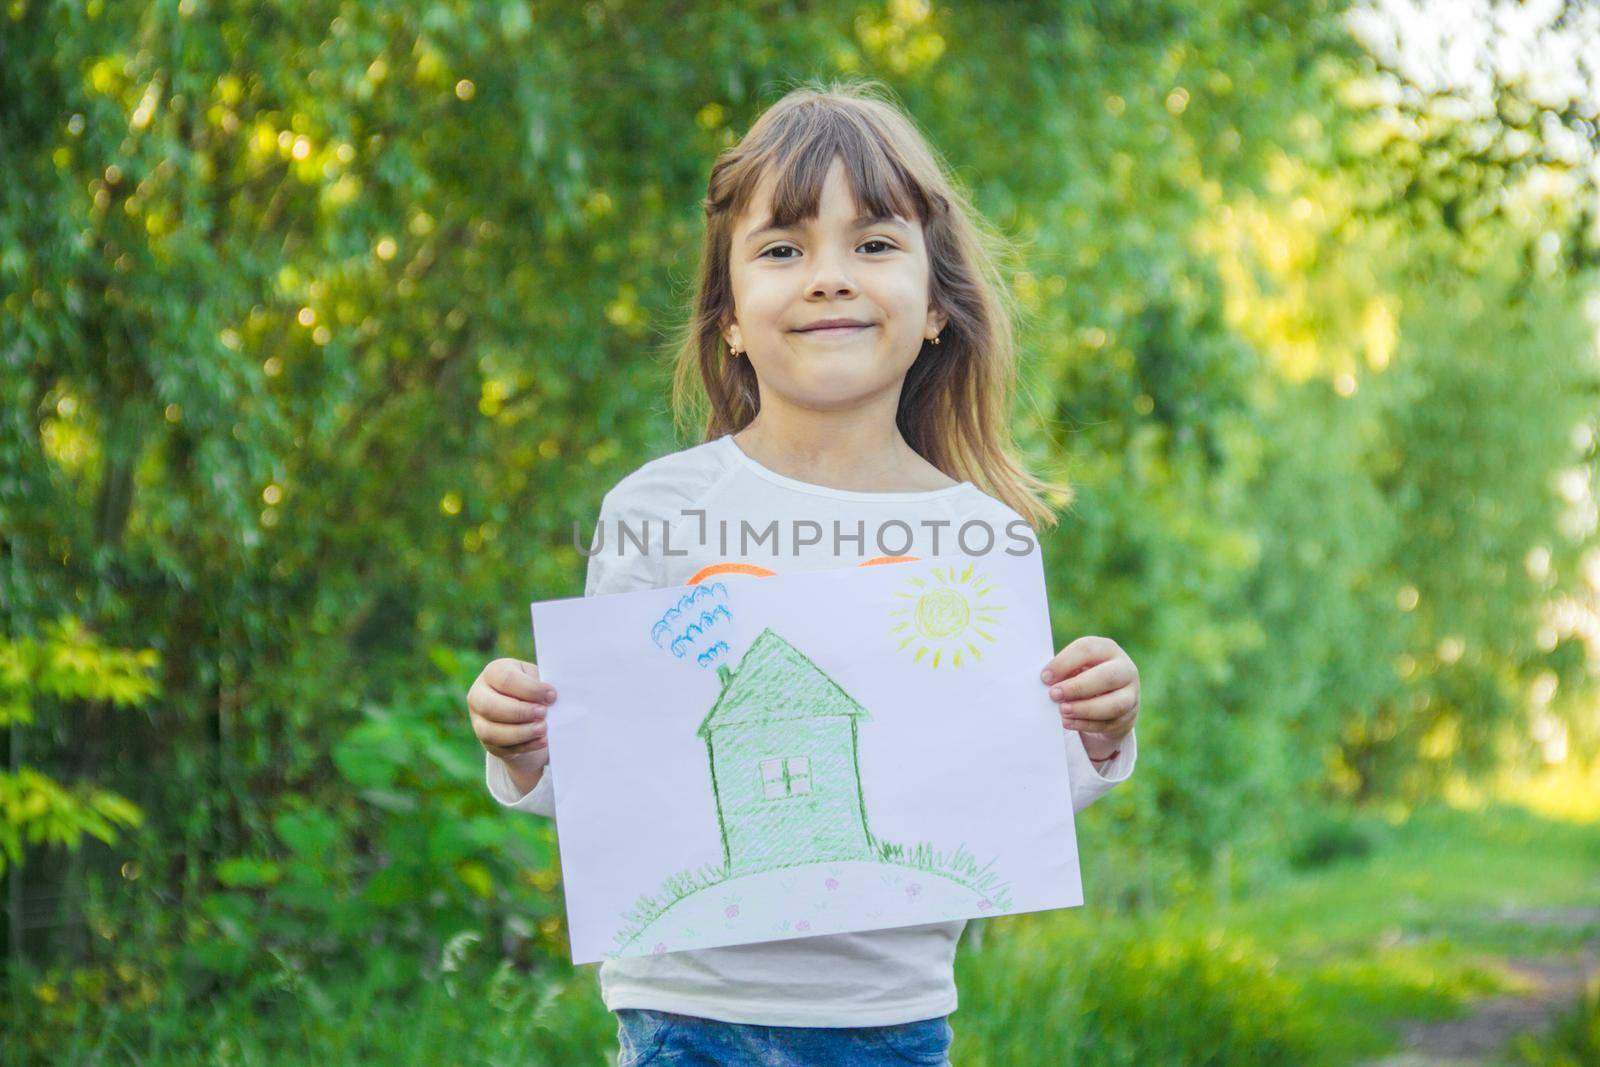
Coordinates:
[911,687]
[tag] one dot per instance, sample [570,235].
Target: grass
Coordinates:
[488,1015]
[1335,957]
[1574,1041]
[1320,968]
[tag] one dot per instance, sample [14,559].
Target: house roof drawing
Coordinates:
[775,682]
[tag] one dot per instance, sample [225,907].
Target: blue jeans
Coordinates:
[665,1039]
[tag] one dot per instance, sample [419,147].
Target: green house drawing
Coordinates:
[781,739]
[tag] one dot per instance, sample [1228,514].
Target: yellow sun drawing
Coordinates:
[946,617]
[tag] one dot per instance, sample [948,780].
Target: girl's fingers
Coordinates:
[508,704]
[1099,712]
[1081,653]
[496,707]
[521,680]
[1118,727]
[522,749]
[496,735]
[1105,677]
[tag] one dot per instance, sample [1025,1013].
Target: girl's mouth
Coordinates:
[833,331]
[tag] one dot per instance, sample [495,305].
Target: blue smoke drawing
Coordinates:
[692,625]
[710,655]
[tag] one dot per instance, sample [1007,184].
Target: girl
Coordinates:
[852,341]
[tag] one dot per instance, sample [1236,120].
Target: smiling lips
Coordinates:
[834,327]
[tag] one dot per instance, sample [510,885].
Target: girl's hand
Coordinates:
[1096,686]
[507,704]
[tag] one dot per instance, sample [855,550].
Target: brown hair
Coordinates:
[956,399]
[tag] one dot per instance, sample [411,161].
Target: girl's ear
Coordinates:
[936,322]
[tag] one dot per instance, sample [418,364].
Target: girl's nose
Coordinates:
[830,278]
[834,291]
[831,288]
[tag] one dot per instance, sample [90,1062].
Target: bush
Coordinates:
[1332,835]
[473,1010]
[403,851]
[1144,994]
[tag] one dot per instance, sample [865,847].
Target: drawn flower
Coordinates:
[661,946]
[985,904]
[803,924]
[913,889]
[732,911]
[831,883]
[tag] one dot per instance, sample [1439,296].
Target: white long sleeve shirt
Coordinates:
[711,510]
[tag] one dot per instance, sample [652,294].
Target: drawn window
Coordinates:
[786,777]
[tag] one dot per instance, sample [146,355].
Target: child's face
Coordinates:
[829,267]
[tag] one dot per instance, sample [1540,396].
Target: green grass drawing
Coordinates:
[650,907]
[959,866]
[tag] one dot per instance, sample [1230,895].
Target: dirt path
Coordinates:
[1480,1037]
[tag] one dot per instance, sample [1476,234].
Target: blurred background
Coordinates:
[324,322]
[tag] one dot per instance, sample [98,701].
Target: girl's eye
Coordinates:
[791,248]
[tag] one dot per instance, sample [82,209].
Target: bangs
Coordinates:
[801,152]
[955,401]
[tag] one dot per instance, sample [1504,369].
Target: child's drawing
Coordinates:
[754,756]
[946,616]
[782,745]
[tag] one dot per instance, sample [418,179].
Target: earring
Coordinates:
[938,339]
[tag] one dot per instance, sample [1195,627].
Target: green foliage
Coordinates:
[414,853]
[39,810]
[65,663]
[1574,1040]
[1334,834]
[1354,949]
[322,324]
[1136,994]
[470,1010]
[1340,954]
